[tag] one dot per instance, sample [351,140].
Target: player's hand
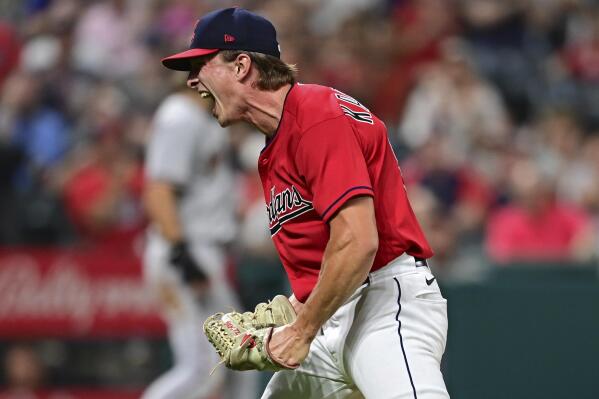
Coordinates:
[297,305]
[288,346]
[189,269]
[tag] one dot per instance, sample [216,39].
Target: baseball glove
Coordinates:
[275,313]
[238,347]
[241,339]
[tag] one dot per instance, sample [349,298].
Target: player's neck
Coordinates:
[265,109]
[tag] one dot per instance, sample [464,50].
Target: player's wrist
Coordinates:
[305,330]
[178,251]
[178,244]
[182,259]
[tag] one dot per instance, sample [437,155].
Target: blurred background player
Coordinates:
[190,203]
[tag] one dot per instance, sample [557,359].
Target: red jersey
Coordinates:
[327,149]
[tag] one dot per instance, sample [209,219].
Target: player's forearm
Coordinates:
[161,206]
[346,265]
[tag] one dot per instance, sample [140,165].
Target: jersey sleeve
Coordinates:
[171,149]
[331,160]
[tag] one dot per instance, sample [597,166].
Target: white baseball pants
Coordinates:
[385,342]
[184,314]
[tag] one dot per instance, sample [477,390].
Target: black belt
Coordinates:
[420,262]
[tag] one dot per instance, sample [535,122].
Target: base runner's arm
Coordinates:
[161,206]
[347,260]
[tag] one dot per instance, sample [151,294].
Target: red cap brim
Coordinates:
[181,61]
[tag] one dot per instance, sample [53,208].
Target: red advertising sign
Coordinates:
[74,293]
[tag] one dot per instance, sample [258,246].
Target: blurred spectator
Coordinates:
[103,191]
[32,124]
[23,370]
[581,54]
[41,54]
[330,16]
[452,100]
[497,32]
[106,39]
[581,60]
[455,125]
[590,189]
[451,200]
[102,179]
[35,125]
[9,50]
[419,27]
[537,227]
[558,153]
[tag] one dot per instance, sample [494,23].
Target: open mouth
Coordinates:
[206,95]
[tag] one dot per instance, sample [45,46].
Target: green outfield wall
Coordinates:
[524,333]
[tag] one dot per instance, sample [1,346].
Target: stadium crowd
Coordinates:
[492,107]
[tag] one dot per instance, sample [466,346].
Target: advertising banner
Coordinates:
[74,293]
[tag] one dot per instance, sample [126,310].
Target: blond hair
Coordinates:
[273,72]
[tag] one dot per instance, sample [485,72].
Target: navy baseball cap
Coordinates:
[227,29]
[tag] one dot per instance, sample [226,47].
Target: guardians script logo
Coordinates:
[284,206]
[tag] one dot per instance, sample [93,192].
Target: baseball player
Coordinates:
[189,202]
[371,321]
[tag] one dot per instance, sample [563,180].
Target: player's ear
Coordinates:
[242,66]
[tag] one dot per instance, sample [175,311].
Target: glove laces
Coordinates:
[219,337]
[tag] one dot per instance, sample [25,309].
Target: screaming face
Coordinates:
[214,81]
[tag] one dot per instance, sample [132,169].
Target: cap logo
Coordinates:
[229,38]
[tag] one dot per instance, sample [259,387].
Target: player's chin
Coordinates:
[222,121]
[218,115]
